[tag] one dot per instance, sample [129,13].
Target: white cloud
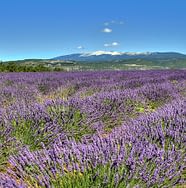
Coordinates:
[80,47]
[114,22]
[106,45]
[115,44]
[107,30]
[111,44]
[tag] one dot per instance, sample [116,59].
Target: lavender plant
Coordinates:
[93,129]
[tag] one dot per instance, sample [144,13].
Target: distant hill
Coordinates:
[112,56]
[101,60]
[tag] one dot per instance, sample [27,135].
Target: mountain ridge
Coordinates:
[113,55]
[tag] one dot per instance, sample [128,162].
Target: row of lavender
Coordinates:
[112,129]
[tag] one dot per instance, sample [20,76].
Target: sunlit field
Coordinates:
[111,129]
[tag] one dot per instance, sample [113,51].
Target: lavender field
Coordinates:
[111,129]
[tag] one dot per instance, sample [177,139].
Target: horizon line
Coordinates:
[45,58]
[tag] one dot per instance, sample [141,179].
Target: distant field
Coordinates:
[39,65]
[112,129]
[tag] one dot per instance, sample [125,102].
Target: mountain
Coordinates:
[112,56]
[102,60]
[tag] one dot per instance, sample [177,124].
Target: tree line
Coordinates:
[15,67]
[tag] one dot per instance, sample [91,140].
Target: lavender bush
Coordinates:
[93,129]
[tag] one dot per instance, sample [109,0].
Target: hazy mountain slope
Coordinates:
[110,56]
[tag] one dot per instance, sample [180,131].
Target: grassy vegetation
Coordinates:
[71,120]
[39,65]
[15,67]
[133,64]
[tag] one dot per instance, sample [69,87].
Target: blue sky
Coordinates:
[48,28]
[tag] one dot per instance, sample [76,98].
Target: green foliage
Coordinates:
[134,64]
[16,67]
[30,133]
[38,65]
[72,121]
[107,176]
[7,147]
[89,92]
[43,88]
[68,92]
[29,179]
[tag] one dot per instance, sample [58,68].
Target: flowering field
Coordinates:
[112,129]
